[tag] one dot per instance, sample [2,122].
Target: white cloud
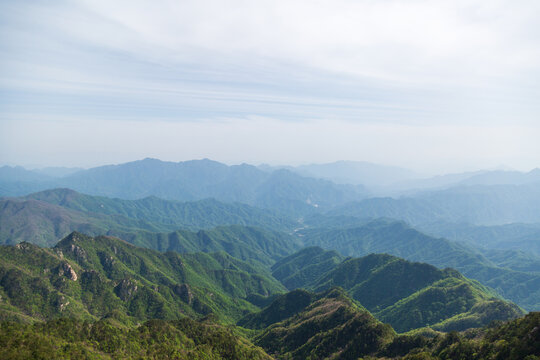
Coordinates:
[413,82]
[415,40]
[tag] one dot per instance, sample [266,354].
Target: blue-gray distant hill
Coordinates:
[480,177]
[475,204]
[508,237]
[355,172]
[17,181]
[198,179]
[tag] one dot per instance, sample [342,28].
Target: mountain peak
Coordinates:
[72,238]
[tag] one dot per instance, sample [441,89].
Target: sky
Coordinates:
[435,86]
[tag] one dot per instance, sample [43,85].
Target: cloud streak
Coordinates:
[461,66]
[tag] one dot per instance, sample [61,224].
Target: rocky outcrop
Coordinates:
[66,270]
[79,252]
[107,261]
[126,289]
[23,246]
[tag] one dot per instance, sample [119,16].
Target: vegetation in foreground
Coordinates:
[107,339]
[342,331]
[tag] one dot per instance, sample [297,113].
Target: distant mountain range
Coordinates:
[475,204]
[352,172]
[44,217]
[515,236]
[394,180]
[192,180]
[197,179]
[250,234]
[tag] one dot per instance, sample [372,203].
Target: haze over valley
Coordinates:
[270,180]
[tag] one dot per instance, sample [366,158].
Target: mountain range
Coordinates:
[195,180]
[112,286]
[88,278]
[199,259]
[44,217]
[504,274]
[396,291]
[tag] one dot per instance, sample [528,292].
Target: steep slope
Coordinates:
[379,280]
[406,295]
[398,239]
[282,307]
[395,238]
[64,211]
[331,326]
[87,278]
[412,295]
[250,244]
[43,224]
[304,267]
[515,340]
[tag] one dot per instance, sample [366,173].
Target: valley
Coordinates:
[279,280]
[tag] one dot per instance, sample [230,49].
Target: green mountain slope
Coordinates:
[407,295]
[43,224]
[200,214]
[304,267]
[516,340]
[398,239]
[331,326]
[44,217]
[107,288]
[87,278]
[282,307]
[106,339]
[350,332]
[250,244]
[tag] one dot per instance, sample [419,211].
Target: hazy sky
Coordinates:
[431,85]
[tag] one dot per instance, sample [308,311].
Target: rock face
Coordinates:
[126,289]
[184,292]
[79,252]
[69,245]
[107,261]
[66,270]
[23,246]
